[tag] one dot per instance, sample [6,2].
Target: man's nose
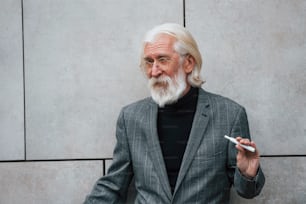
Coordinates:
[156,71]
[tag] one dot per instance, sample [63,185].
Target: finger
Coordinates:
[253,144]
[245,141]
[246,152]
[240,149]
[238,138]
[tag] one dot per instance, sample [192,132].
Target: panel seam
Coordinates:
[24,89]
[184,13]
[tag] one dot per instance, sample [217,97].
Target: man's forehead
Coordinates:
[162,43]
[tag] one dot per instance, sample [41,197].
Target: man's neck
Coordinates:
[186,90]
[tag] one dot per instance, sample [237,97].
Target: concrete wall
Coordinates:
[68,66]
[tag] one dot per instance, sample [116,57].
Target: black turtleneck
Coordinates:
[174,124]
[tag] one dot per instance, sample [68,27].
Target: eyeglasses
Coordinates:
[160,61]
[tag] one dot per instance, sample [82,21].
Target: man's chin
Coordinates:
[162,98]
[160,87]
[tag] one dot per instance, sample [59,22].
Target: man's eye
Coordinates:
[148,61]
[163,59]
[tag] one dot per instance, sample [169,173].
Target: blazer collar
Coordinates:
[199,125]
[155,149]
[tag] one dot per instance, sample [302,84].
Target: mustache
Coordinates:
[163,80]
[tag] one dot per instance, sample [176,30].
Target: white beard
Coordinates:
[165,90]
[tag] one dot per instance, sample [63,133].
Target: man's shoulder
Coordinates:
[218,100]
[138,105]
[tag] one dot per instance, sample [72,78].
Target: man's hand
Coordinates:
[247,162]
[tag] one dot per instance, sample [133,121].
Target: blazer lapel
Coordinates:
[155,150]
[199,125]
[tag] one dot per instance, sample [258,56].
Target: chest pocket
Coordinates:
[211,149]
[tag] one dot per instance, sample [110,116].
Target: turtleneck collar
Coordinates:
[188,101]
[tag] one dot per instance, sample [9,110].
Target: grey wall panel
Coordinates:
[255,53]
[285,182]
[11,81]
[48,182]
[81,60]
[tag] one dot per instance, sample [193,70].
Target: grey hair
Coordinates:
[184,45]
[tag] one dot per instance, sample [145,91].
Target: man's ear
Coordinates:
[189,63]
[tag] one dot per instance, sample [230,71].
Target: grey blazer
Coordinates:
[208,168]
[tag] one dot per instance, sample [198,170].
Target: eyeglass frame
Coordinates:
[161,61]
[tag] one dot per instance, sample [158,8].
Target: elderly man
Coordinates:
[173,142]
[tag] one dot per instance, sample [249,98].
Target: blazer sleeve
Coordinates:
[247,188]
[113,187]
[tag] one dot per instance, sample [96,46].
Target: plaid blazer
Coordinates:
[208,169]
